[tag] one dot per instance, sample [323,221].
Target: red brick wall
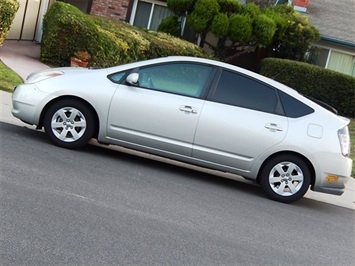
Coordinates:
[116,9]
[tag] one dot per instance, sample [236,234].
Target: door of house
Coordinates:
[27,24]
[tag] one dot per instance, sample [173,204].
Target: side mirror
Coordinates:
[132,79]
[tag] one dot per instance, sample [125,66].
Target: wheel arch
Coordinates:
[55,100]
[285,153]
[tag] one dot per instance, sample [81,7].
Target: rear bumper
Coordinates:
[334,180]
[333,191]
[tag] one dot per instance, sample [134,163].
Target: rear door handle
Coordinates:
[188,109]
[273,127]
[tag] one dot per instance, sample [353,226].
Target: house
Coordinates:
[27,23]
[334,19]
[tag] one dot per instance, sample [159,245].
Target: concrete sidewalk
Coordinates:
[22,57]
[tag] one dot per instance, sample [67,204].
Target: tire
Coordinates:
[69,124]
[285,178]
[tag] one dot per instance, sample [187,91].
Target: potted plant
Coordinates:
[80,59]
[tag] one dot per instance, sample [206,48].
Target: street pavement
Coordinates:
[22,58]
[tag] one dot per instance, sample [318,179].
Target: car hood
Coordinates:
[53,72]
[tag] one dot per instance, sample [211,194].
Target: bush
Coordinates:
[264,29]
[109,42]
[170,25]
[334,88]
[202,15]
[8,9]
[220,25]
[240,28]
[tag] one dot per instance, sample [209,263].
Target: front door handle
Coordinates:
[273,127]
[188,109]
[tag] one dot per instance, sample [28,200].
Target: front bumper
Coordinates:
[26,103]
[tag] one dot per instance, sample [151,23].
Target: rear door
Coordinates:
[241,120]
[162,111]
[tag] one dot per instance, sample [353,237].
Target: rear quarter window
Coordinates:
[242,91]
[292,107]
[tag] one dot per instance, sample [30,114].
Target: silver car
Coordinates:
[198,111]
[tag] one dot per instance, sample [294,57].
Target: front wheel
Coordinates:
[69,124]
[285,178]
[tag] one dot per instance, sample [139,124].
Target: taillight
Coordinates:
[344,140]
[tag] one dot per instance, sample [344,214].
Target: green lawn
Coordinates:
[9,79]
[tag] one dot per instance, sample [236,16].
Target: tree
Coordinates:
[280,31]
[262,3]
[295,35]
[8,9]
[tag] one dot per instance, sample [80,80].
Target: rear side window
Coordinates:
[238,90]
[294,108]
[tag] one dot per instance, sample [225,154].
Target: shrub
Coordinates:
[76,31]
[109,42]
[180,6]
[229,6]
[8,9]
[334,88]
[264,29]
[240,28]
[202,15]
[220,25]
[170,25]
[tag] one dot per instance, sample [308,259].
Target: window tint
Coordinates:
[294,108]
[239,90]
[116,77]
[180,78]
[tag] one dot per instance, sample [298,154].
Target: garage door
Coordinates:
[27,23]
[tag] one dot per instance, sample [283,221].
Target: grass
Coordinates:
[9,79]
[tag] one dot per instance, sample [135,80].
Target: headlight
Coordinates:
[38,76]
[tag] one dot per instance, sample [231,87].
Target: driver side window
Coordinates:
[179,78]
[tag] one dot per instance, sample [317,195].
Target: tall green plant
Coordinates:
[280,31]
[8,9]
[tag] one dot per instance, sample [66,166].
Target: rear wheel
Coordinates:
[285,178]
[69,124]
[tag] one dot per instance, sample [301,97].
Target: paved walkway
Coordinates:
[22,57]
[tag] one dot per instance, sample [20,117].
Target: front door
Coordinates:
[160,114]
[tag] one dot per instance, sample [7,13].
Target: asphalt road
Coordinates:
[97,206]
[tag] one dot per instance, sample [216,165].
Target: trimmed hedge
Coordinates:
[334,88]
[8,9]
[109,42]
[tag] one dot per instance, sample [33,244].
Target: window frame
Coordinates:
[153,2]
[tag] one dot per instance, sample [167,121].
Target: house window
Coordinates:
[149,14]
[337,61]
[343,63]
